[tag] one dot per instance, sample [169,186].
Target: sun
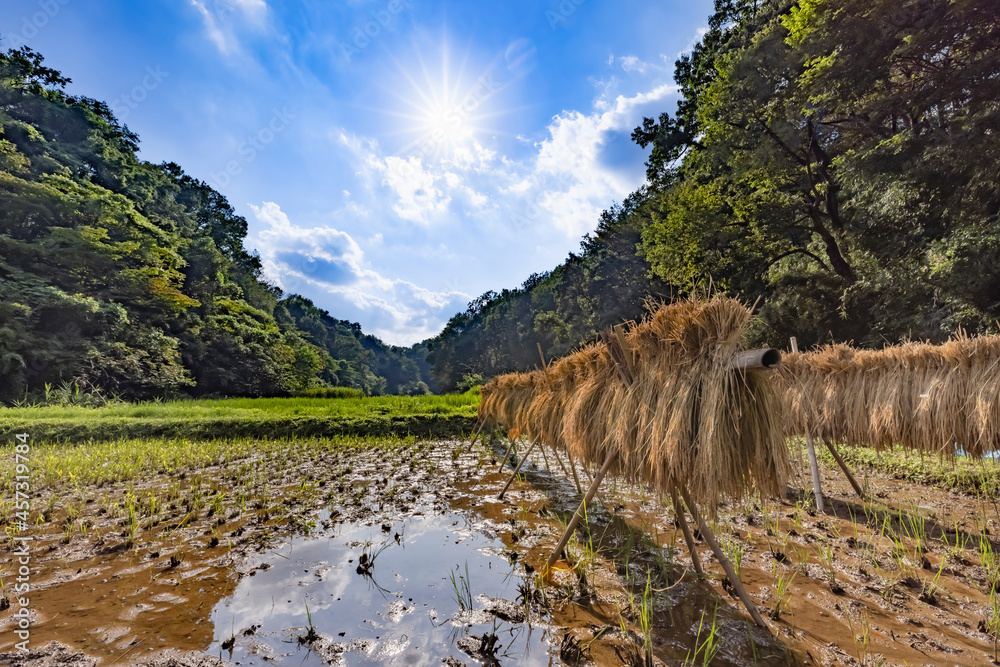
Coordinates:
[445,107]
[446,122]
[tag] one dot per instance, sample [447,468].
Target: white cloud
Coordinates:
[566,183]
[417,193]
[249,5]
[328,263]
[575,146]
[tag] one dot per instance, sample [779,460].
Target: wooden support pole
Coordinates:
[572,468]
[476,436]
[688,537]
[814,466]
[545,457]
[503,461]
[518,468]
[562,466]
[721,556]
[573,522]
[843,466]
[817,489]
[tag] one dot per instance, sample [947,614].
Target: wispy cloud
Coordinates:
[219,16]
[634,65]
[698,35]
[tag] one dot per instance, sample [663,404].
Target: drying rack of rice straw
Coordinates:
[934,399]
[674,402]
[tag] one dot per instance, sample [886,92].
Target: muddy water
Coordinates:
[403,609]
[861,591]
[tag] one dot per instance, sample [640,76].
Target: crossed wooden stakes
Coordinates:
[751,361]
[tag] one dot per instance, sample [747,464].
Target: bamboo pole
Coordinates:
[843,466]
[817,489]
[573,522]
[721,556]
[518,468]
[688,537]
[765,357]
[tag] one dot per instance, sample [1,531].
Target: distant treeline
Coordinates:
[835,159]
[130,278]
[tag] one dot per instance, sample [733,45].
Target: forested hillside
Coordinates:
[131,279]
[836,159]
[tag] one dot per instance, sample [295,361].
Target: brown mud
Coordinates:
[181,569]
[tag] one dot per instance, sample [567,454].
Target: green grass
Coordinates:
[961,473]
[429,416]
[331,392]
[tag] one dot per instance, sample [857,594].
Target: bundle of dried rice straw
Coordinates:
[929,398]
[687,417]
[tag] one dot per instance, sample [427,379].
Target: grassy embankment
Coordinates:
[960,472]
[427,416]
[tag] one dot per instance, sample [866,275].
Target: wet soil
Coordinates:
[359,557]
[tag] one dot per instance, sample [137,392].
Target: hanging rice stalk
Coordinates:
[680,415]
[929,398]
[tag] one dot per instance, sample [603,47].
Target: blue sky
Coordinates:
[394,158]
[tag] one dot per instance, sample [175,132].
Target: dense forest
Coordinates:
[832,160]
[130,279]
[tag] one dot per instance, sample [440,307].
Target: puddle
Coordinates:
[404,612]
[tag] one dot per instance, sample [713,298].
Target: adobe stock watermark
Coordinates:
[365,33]
[248,149]
[562,12]
[22,550]
[124,105]
[36,22]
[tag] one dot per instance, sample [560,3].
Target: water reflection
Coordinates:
[373,599]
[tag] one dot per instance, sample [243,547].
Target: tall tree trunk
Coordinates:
[837,261]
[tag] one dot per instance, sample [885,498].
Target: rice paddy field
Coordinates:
[356,531]
[277,417]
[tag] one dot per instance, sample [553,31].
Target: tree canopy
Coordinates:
[836,160]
